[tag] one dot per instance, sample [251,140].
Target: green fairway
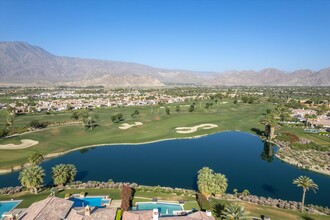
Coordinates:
[156,125]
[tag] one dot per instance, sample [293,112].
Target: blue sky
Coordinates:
[205,35]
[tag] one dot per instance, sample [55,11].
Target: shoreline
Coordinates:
[290,161]
[54,155]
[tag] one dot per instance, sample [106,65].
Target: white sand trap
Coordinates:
[25,144]
[127,126]
[187,130]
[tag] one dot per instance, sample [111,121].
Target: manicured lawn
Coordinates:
[189,205]
[155,126]
[163,196]
[29,198]
[318,139]
[254,210]
[274,213]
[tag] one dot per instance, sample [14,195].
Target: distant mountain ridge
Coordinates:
[22,63]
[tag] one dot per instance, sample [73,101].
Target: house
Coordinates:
[58,209]
[50,208]
[154,215]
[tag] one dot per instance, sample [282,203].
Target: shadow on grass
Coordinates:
[306,217]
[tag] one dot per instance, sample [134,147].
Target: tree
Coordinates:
[75,115]
[10,119]
[306,183]
[270,122]
[313,117]
[63,174]
[90,121]
[210,183]
[35,158]
[3,132]
[126,197]
[32,177]
[168,111]
[37,124]
[234,211]
[177,108]
[245,99]
[245,192]
[117,118]
[135,114]
[192,108]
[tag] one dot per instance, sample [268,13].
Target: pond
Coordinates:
[247,162]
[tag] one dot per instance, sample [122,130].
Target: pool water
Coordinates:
[7,206]
[163,208]
[90,201]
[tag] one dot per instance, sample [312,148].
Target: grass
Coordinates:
[156,126]
[190,202]
[189,205]
[274,213]
[318,139]
[29,198]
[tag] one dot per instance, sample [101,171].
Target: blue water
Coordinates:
[90,201]
[7,206]
[242,157]
[162,207]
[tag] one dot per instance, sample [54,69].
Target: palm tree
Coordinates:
[10,120]
[32,177]
[63,173]
[270,122]
[220,184]
[307,116]
[313,117]
[204,181]
[306,183]
[234,211]
[35,158]
[210,183]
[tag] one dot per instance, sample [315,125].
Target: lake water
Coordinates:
[246,161]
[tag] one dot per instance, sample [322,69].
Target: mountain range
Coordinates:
[24,64]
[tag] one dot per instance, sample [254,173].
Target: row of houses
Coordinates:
[320,120]
[54,208]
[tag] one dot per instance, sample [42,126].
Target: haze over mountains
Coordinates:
[22,63]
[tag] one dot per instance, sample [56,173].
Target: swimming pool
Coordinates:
[90,201]
[163,208]
[7,206]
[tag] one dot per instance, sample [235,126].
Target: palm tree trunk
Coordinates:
[35,190]
[303,200]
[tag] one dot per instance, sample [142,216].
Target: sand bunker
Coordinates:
[127,126]
[25,144]
[187,130]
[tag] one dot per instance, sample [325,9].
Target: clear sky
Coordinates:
[210,35]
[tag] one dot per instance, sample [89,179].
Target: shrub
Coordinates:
[37,124]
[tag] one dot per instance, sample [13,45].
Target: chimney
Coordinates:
[87,210]
[155,214]
[208,213]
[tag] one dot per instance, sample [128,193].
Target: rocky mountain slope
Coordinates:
[22,63]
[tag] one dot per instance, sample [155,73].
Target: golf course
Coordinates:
[155,124]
